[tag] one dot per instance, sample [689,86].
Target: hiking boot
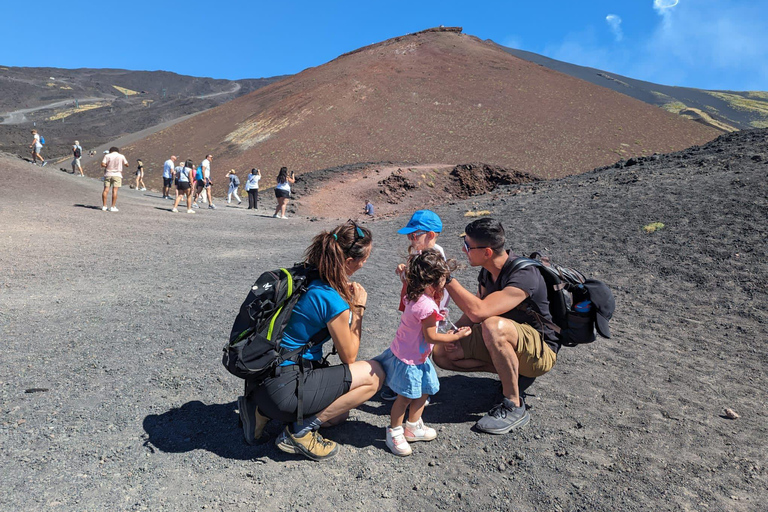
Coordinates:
[311,445]
[253,421]
[396,442]
[504,417]
[418,432]
[175,210]
[114,209]
[387,394]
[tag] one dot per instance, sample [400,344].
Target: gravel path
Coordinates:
[112,395]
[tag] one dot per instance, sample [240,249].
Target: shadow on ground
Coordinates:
[215,427]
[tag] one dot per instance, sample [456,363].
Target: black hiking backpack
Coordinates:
[580,307]
[254,348]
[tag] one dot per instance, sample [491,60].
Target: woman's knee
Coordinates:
[367,373]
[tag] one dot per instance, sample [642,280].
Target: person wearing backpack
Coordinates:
[324,394]
[234,183]
[37,147]
[511,341]
[77,152]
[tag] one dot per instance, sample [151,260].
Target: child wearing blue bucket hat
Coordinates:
[422,231]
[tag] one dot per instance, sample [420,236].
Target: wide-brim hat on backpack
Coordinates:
[604,304]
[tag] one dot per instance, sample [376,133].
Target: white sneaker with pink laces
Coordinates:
[396,442]
[418,431]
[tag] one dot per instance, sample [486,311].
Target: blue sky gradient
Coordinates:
[712,44]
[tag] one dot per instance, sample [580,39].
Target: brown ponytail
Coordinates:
[329,251]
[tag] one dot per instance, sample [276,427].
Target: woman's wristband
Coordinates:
[448,279]
[359,306]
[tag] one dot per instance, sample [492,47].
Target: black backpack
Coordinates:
[254,348]
[77,152]
[580,307]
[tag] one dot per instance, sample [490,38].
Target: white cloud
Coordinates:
[614,22]
[694,44]
[512,42]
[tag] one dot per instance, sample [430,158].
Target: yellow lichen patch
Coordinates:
[694,113]
[262,128]
[51,84]
[758,94]
[759,124]
[4,69]
[478,213]
[147,103]
[65,87]
[652,227]
[739,102]
[674,106]
[125,91]
[661,95]
[68,112]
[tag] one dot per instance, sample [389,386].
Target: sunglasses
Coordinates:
[415,234]
[359,233]
[468,248]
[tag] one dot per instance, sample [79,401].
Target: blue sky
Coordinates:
[713,44]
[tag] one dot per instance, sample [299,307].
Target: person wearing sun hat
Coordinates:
[422,231]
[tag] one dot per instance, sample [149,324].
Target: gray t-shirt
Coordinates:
[530,281]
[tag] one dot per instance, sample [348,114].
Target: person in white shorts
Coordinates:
[77,152]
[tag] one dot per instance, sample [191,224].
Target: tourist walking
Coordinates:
[184,186]
[234,183]
[140,175]
[168,173]
[112,164]
[252,187]
[203,183]
[283,192]
[37,147]
[77,153]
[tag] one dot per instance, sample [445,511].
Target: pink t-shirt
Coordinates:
[115,163]
[409,345]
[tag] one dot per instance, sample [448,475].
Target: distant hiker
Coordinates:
[334,302]
[283,192]
[422,231]
[515,343]
[368,208]
[168,173]
[140,175]
[203,182]
[37,147]
[184,185]
[234,183]
[252,187]
[77,153]
[410,373]
[112,164]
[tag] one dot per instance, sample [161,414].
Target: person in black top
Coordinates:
[509,318]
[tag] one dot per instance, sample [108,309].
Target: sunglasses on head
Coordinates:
[359,233]
[468,248]
[412,236]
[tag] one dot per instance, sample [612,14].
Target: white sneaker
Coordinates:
[104,208]
[175,210]
[418,431]
[190,211]
[211,206]
[143,189]
[396,441]
[276,216]
[114,209]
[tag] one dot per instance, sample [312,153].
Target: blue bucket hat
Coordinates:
[423,220]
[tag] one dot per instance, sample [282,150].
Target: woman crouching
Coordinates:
[329,392]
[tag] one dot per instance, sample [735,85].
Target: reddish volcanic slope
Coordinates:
[433,96]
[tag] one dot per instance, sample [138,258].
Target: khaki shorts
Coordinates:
[534,356]
[115,181]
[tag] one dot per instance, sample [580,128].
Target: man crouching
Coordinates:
[510,322]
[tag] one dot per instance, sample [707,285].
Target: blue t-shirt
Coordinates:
[312,312]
